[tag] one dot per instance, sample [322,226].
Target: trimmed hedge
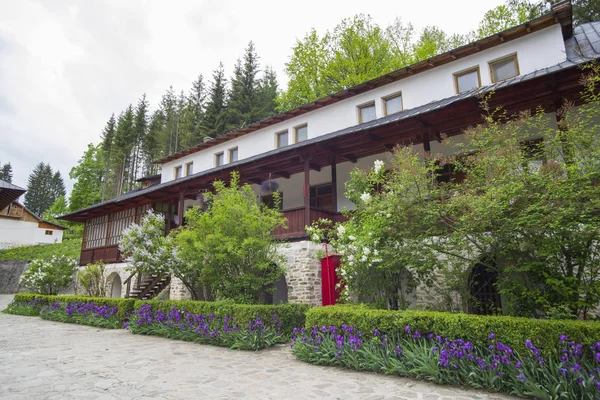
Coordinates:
[124,306]
[291,315]
[512,331]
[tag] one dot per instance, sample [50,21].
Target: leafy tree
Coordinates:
[6,173]
[58,208]
[231,244]
[215,118]
[43,188]
[88,175]
[504,16]
[585,11]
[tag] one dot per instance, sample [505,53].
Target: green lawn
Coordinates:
[71,246]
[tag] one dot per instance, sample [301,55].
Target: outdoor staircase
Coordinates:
[146,289]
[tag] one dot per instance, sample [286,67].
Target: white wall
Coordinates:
[534,51]
[19,233]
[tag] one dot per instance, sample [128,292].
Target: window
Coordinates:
[366,113]
[467,80]
[392,104]
[49,233]
[301,133]
[281,139]
[189,168]
[233,154]
[321,196]
[178,171]
[504,68]
[219,159]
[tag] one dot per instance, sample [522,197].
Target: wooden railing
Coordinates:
[296,223]
[105,254]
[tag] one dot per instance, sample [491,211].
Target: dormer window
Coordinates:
[301,133]
[366,112]
[504,68]
[392,104]
[178,172]
[467,80]
[219,159]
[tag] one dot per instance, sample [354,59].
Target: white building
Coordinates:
[309,151]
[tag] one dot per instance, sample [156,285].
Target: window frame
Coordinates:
[217,155]
[360,107]
[314,200]
[466,71]
[390,97]
[229,153]
[49,232]
[512,56]
[278,136]
[180,175]
[187,168]
[296,128]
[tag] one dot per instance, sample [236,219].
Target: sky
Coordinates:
[66,66]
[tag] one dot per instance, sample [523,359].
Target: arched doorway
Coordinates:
[483,288]
[280,294]
[114,284]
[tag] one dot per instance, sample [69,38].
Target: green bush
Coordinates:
[291,315]
[512,331]
[124,306]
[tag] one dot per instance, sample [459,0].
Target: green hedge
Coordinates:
[124,306]
[291,315]
[511,331]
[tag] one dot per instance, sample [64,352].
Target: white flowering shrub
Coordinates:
[147,249]
[49,276]
[382,258]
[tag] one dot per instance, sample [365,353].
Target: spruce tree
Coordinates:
[196,106]
[6,173]
[108,137]
[43,188]
[266,97]
[215,115]
[140,128]
[152,146]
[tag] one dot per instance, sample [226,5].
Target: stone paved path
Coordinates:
[51,360]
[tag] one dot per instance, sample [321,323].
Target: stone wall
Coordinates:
[10,273]
[303,272]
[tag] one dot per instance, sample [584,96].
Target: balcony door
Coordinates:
[321,197]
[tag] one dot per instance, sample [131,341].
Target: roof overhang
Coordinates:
[561,13]
[9,193]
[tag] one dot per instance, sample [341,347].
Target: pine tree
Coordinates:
[6,173]
[196,106]
[140,130]
[43,188]
[108,137]
[152,146]
[242,102]
[168,107]
[266,97]
[121,155]
[215,115]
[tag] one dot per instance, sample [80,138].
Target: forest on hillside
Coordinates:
[355,50]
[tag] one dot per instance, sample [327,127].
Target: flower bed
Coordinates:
[179,324]
[124,306]
[84,313]
[571,371]
[473,328]
[30,308]
[290,315]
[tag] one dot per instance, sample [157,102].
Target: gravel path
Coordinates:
[51,360]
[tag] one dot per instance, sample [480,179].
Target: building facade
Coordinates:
[308,153]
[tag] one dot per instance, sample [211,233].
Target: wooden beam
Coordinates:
[283,174]
[315,167]
[306,192]
[181,208]
[334,183]
[350,157]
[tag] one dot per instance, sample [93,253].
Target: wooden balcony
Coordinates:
[296,223]
[106,254]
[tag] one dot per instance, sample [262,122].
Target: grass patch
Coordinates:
[70,247]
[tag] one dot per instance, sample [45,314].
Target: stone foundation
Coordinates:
[303,272]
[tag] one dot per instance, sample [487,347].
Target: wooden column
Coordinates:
[334,183]
[306,191]
[426,144]
[169,216]
[181,207]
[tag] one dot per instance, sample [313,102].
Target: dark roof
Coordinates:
[149,178]
[560,13]
[584,45]
[9,193]
[586,54]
